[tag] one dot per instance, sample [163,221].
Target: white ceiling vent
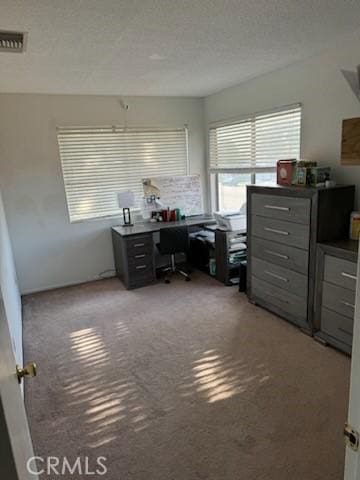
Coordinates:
[12,42]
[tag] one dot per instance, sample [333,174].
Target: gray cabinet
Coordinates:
[335,293]
[284,226]
[134,259]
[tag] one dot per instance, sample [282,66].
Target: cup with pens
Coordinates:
[164,215]
[171,215]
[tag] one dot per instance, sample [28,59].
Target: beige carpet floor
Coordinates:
[184,381]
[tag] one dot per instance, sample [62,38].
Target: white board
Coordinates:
[182,191]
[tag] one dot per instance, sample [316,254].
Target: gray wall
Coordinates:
[50,251]
[319,85]
[9,287]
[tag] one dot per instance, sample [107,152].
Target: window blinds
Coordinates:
[257,142]
[99,162]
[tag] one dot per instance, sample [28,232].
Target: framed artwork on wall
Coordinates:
[350,144]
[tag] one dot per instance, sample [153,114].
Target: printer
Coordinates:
[231,221]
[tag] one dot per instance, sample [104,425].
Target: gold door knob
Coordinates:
[30,370]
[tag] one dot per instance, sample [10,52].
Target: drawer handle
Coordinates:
[274,230]
[276,254]
[344,331]
[141,255]
[140,267]
[347,304]
[139,244]
[348,275]
[279,277]
[275,207]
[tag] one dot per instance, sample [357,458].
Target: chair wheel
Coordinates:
[187,279]
[167,280]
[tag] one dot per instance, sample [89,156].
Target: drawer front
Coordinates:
[141,268]
[141,280]
[140,257]
[337,326]
[283,255]
[292,209]
[139,242]
[341,272]
[141,274]
[288,233]
[286,301]
[338,299]
[282,277]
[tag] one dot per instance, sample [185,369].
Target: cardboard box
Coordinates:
[303,176]
[320,175]
[285,171]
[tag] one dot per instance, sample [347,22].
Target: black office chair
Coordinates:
[174,240]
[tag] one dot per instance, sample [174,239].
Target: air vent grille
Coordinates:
[12,42]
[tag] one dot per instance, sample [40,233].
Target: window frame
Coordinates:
[213,173]
[126,130]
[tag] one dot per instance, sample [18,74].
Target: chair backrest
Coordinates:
[174,239]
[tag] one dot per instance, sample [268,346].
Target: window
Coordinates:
[99,162]
[246,152]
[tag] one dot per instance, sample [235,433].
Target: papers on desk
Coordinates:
[205,235]
[212,227]
[237,243]
[237,246]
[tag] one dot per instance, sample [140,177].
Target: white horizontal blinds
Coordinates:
[230,146]
[277,136]
[99,162]
[257,142]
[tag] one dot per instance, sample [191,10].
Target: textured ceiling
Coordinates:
[163,47]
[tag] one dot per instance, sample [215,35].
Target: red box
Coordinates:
[285,170]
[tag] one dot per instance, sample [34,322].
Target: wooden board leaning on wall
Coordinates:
[350,144]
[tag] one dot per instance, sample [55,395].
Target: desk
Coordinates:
[134,249]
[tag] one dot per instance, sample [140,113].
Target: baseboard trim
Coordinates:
[63,285]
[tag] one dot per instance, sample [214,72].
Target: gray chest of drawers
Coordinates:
[134,259]
[284,226]
[335,293]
